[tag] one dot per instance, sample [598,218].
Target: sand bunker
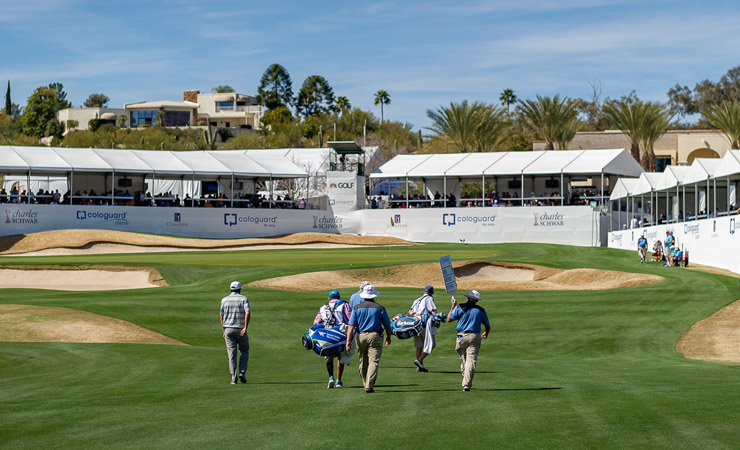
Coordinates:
[23,323]
[80,280]
[715,338]
[482,275]
[63,242]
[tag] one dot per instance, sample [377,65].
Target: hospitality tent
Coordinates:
[512,171]
[101,170]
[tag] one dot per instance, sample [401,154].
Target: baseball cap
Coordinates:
[473,295]
[363,284]
[369,292]
[235,286]
[428,288]
[334,294]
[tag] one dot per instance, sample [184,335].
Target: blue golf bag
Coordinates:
[404,327]
[326,341]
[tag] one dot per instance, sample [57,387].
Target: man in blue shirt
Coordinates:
[469,318]
[642,249]
[369,319]
[355,299]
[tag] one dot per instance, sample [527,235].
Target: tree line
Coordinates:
[315,115]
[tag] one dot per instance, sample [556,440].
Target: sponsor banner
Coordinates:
[342,190]
[191,222]
[712,242]
[571,225]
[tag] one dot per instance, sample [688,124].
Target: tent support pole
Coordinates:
[71,187]
[562,190]
[232,189]
[113,189]
[696,201]
[601,200]
[483,190]
[714,194]
[192,191]
[728,195]
[444,188]
[407,192]
[28,188]
[522,189]
[270,199]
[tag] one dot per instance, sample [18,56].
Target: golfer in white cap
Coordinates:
[355,299]
[469,318]
[235,316]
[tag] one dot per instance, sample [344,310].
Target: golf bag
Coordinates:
[326,341]
[404,327]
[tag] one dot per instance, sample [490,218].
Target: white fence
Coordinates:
[712,242]
[571,225]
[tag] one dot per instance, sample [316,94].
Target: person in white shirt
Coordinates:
[423,307]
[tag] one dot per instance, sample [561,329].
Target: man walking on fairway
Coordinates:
[469,318]
[355,299]
[642,249]
[369,319]
[235,316]
[422,306]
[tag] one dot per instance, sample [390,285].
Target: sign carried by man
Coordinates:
[448,274]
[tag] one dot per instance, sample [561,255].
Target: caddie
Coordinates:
[422,308]
[369,319]
[334,312]
[235,315]
[469,318]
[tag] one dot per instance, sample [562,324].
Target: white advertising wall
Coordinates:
[571,225]
[712,242]
[191,222]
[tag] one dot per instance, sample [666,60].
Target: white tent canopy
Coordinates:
[591,162]
[61,161]
[729,165]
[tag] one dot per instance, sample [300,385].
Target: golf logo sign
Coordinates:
[232,219]
[555,219]
[20,217]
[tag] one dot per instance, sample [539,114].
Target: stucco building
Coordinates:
[227,110]
[676,147]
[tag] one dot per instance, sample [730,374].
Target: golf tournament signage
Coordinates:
[448,274]
[571,225]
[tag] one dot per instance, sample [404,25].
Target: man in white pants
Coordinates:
[422,306]
[469,318]
[235,316]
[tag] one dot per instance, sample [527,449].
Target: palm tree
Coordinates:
[342,103]
[555,119]
[657,119]
[726,117]
[626,115]
[382,98]
[643,123]
[469,127]
[507,99]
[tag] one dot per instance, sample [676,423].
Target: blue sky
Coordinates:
[424,53]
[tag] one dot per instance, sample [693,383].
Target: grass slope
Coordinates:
[561,369]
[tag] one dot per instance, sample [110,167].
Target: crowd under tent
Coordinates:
[553,174]
[122,172]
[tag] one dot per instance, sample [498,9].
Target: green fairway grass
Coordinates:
[567,369]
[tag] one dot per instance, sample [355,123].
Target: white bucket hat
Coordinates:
[235,286]
[369,292]
[473,294]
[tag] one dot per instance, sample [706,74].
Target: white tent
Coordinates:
[540,170]
[102,170]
